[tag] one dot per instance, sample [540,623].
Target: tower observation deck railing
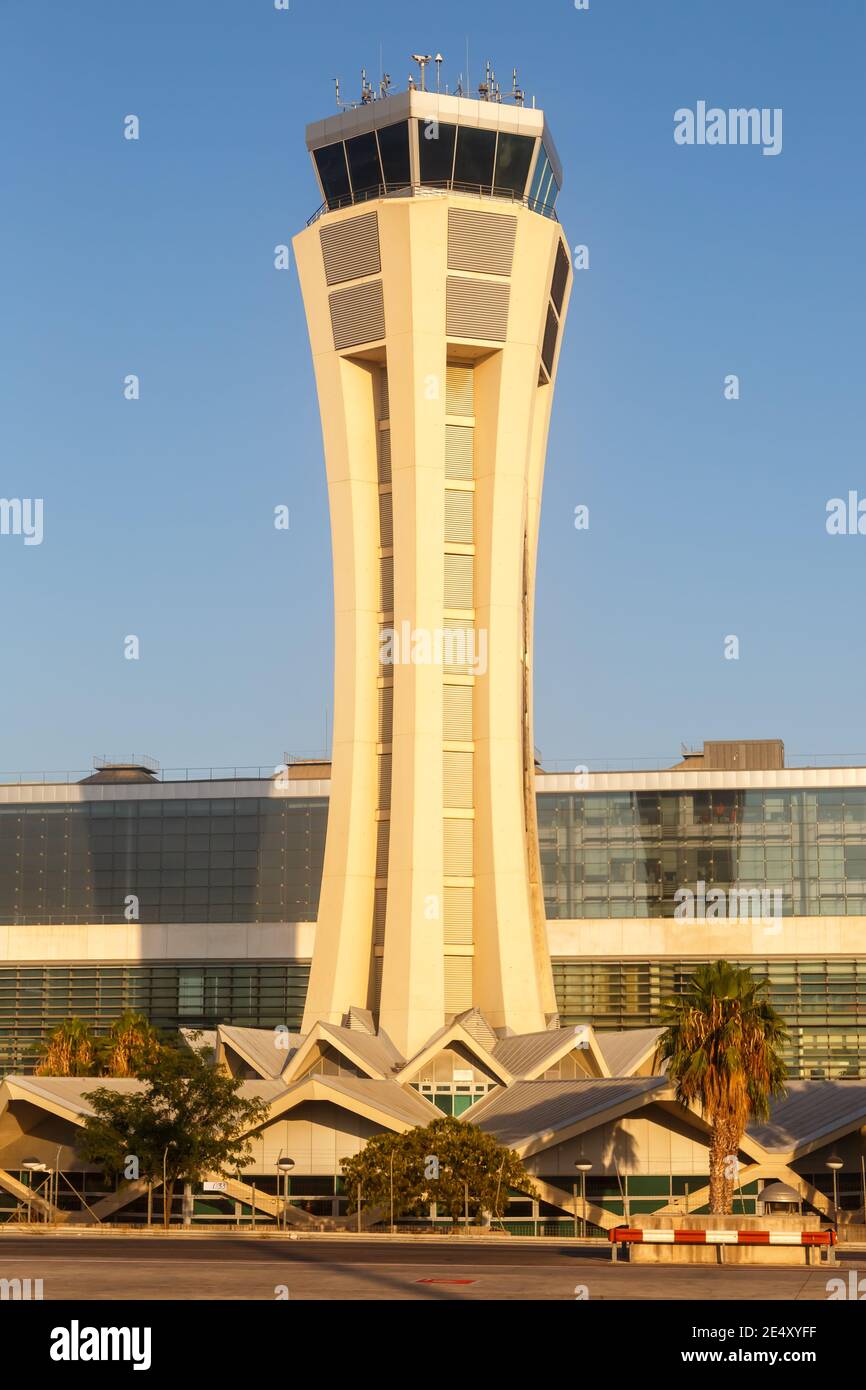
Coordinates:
[411,190]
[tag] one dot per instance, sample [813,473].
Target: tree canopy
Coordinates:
[188,1120]
[73,1049]
[440,1163]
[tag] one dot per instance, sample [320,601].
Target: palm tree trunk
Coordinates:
[733,1135]
[720,1189]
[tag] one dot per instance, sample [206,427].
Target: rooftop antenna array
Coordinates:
[488,90]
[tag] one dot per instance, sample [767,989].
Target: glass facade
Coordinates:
[220,859]
[334,174]
[473,162]
[34,999]
[545,190]
[436,151]
[259,859]
[469,158]
[626,854]
[823,1003]
[464,157]
[356,169]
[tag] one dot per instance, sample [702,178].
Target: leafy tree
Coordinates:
[723,1046]
[369,1174]
[131,1045]
[188,1120]
[436,1164]
[469,1160]
[69,1051]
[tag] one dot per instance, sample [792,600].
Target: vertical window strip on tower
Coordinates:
[386,690]
[458,765]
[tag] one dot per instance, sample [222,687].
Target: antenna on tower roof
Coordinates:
[438,60]
[422,59]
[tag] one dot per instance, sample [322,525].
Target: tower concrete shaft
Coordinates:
[435,313]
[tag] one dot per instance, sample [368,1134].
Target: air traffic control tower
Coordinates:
[435,279]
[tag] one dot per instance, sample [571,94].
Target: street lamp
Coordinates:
[583,1168]
[835,1164]
[166,1209]
[284,1168]
[57,1182]
[33,1165]
[392,1189]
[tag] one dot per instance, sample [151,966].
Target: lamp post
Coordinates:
[284,1168]
[392,1189]
[166,1210]
[33,1165]
[583,1168]
[56,1203]
[835,1164]
[498,1190]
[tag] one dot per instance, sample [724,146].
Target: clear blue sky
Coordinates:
[156,257]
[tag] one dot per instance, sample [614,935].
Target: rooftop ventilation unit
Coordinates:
[133,767]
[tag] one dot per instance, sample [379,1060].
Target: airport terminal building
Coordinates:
[227,872]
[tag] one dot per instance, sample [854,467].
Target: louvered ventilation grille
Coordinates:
[386,584]
[458,647]
[383,828]
[457,779]
[476,309]
[548,348]
[350,249]
[458,452]
[357,315]
[379,907]
[457,848]
[382,407]
[458,984]
[459,391]
[458,517]
[458,581]
[386,649]
[480,241]
[377,982]
[560,277]
[457,916]
[384,456]
[457,714]
[384,781]
[386,523]
[386,713]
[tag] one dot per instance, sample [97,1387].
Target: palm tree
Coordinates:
[723,1042]
[131,1043]
[68,1051]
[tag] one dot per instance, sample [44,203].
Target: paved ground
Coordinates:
[145,1268]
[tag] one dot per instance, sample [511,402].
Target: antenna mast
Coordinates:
[422,59]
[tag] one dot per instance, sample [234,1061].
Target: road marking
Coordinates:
[446,1281]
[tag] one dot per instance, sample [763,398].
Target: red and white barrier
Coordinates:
[622,1235]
